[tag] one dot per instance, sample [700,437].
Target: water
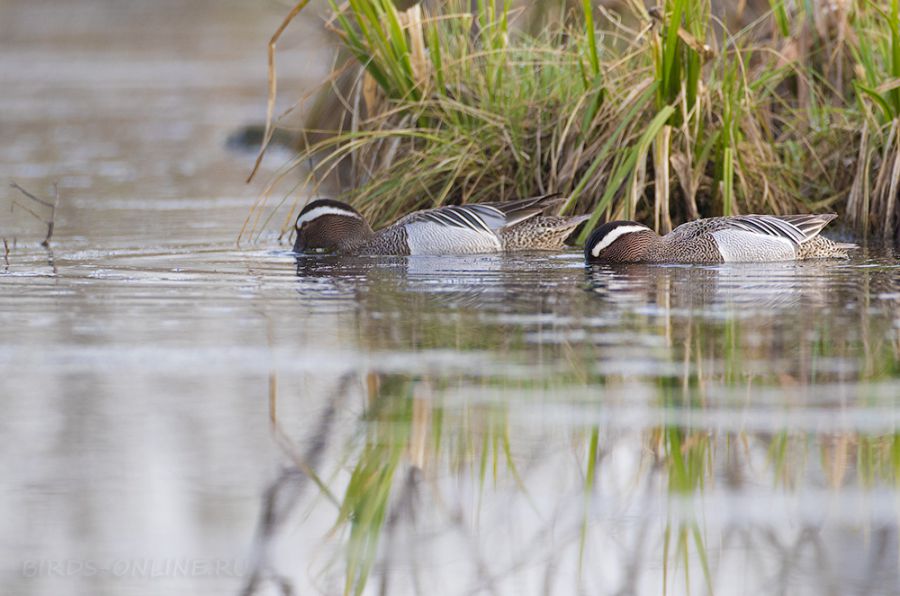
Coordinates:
[500,424]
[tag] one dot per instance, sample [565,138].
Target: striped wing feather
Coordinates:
[768,225]
[810,225]
[796,228]
[455,217]
[486,217]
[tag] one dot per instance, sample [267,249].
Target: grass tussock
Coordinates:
[661,115]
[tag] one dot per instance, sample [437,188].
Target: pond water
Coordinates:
[185,416]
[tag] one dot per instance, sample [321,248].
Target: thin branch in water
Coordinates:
[51,260]
[26,209]
[15,185]
[51,222]
[6,253]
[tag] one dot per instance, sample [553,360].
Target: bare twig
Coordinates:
[6,253]
[30,196]
[51,222]
[26,209]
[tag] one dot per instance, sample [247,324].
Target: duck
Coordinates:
[731,239]
[327,225]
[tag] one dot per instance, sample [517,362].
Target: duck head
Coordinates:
[325,225]
[619,242]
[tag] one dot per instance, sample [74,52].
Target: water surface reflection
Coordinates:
[498,424]
[631,429]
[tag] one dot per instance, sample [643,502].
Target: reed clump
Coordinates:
[661,115]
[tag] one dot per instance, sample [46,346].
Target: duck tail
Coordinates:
[541,233]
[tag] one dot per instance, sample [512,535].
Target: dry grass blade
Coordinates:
[273,83]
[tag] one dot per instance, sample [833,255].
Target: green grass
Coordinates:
[662,118]
[872,202]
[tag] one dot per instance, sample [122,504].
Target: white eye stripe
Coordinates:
[324,210]
[614,235]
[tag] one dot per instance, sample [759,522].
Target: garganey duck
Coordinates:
[735,239]
[331,226]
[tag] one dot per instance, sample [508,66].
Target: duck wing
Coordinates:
[796,229]
[810,225]
[510,213]
[487,218]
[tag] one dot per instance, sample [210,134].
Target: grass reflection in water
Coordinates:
[655,429]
